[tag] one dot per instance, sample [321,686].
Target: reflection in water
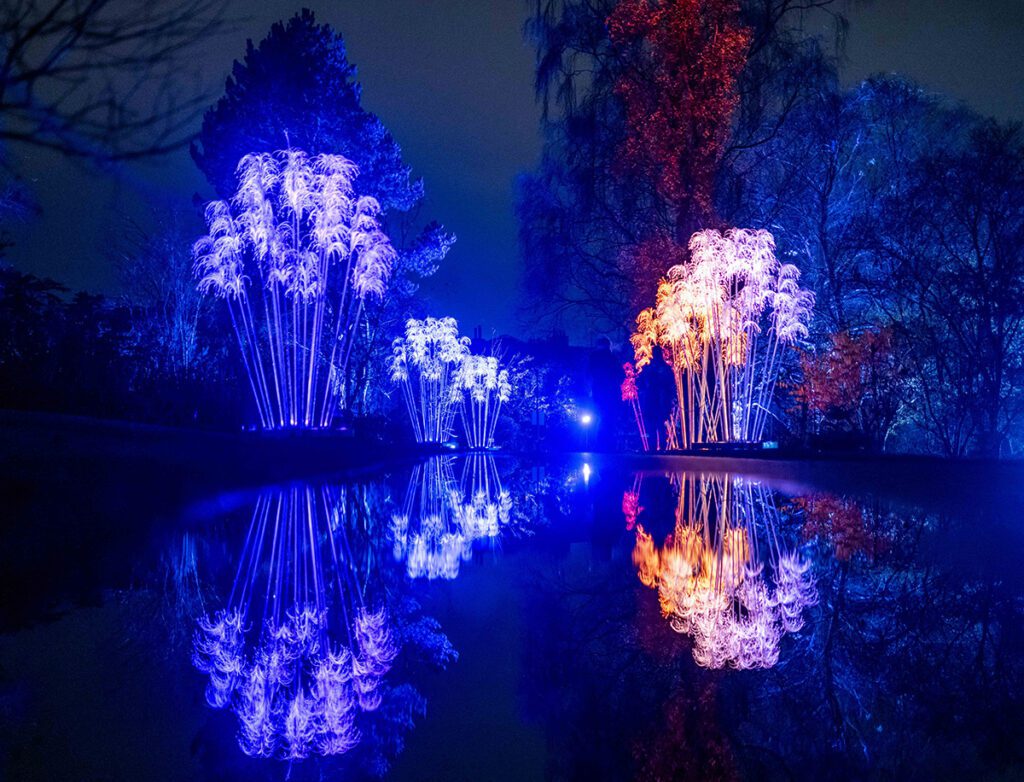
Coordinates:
[911,666]
[442,515]
[843,522]
[298,654]
[711,574]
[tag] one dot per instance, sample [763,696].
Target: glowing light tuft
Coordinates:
[295,254]
[273,655]
[427,364]
[708,320]
[710,573]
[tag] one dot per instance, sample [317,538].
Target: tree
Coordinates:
[954,285]
[98,78]
[906,212]
[859,382]
[679,90]
[298,89]
[650,113]
[155,268]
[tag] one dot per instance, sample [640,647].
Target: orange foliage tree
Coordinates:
[857,384]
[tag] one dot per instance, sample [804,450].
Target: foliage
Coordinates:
[650,111]
[155,270]
[953,285]
[903,211]
[90,355]
[843,522]
[859,382]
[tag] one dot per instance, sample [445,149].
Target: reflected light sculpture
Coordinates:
[722,576]
[442,516]
[297,654]
[723,322]
[427,364]
[296,253]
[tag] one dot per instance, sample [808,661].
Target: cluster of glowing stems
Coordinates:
[482,389]
[710,319]
[631,394]
[711,577]
[296,254]
[297,654]
[441,378]
[441,516]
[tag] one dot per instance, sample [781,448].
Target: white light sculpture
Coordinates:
[722,321]
[296,253]
[711,574]
[297,654]
[441,516]
[426,363]
[481,390]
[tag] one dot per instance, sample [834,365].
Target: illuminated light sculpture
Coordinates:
[711,578]
[631,394]
[631,507]
[441,516]
[297,654]
[722,322]
[484,507]
[295,254]
[481,390]
[426,363]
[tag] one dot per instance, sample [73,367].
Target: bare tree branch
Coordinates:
[103,79]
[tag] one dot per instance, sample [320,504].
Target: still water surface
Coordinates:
[472,618]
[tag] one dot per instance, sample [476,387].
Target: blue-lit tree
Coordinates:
[297,89]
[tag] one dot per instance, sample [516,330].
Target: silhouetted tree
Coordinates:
[155,267]
[953,283]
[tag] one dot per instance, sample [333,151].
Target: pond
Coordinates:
[472,617]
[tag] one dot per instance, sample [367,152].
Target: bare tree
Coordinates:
[102,79]
[155,268]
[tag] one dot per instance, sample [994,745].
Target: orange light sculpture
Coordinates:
[722,322]
[711,577]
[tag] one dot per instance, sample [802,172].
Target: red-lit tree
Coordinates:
[857,383]
[679,92]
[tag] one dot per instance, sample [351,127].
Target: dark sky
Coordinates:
[452,80]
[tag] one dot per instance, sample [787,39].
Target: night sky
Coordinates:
[452,80]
